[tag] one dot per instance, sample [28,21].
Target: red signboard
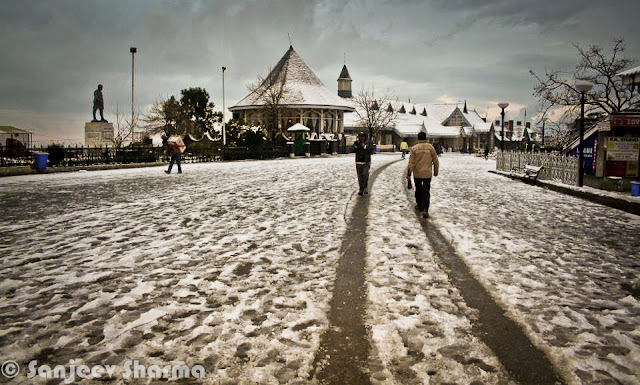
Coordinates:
[616,168]
[625,120]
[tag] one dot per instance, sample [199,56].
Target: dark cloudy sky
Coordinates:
[55,52]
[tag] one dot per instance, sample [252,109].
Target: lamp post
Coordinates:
[502,105]
[133,51]
[544,120]
[582,87]
[224,123]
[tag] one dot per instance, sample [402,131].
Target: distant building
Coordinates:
[611,147]
[305,101]
[517,137]
[15,140]
[444,123]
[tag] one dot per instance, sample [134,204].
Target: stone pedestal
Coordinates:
[98,134]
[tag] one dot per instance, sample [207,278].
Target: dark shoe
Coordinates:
[360,192]
[179,172]
[168,172]
[366,190]
[425,214]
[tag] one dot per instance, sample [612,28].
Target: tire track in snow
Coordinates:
[525,362]
[343,353]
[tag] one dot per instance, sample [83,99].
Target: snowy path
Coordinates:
[558,264]
[232,265]
[343,355]
[227,265]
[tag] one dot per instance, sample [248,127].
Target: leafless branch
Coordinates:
[373,112]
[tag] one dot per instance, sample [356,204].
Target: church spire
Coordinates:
[344,83]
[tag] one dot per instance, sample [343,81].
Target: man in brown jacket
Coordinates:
[423,163]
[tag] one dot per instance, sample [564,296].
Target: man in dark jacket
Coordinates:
[363,149]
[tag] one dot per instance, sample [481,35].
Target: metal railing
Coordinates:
[555,167]
[84,156]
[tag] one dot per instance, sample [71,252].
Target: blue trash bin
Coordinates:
[40,160]
[635,189]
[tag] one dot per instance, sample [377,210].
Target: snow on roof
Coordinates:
[409,125]
[303,88]
[298,127]
[477,122]
[632,71]
[12,130]
[630,76]
[602,125]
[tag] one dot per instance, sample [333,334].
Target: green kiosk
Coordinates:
[300,132]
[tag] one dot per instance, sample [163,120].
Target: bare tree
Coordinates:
[556,89]
[123,130]
[269,92]
[164,116]
[373,112]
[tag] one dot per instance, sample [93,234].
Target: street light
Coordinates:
[224,123]
[582,87]
[133,51]
[502,105]
[544,120]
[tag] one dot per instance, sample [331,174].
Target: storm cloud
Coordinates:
[56,52]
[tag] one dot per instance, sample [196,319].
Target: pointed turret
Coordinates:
[344,83]
[302,86]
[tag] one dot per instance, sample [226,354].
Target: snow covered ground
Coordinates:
[559,265]
[226,265]
[231,266]
[421,328]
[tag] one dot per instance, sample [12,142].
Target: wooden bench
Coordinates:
[528,172]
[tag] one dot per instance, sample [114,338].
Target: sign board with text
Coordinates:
[623,149]
[630,120]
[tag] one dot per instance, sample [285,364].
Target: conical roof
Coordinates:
[344,74]
[303,88]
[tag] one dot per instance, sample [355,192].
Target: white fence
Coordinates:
[559,168]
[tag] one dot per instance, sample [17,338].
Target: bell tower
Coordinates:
[344,83]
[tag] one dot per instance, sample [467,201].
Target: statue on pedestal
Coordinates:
[98,104]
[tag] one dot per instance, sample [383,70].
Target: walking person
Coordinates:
[423,164]
[363,149]
[175,148]
[404,147]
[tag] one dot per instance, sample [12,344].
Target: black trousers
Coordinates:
[423,193]
[363,175]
